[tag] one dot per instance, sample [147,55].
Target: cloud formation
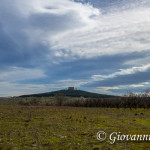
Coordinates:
[48,35]
[122,72]
[128,78]
[80,30]
[20,74]
[121,30]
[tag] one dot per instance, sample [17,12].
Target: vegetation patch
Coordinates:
[65,128]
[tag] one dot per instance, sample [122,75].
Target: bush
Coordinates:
[60,99]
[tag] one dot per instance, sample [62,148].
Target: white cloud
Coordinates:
[70,82]
[122,31]
[124,72]
[138,61]
[16,89]
[123,89]
[106,90]
[136,85]
[19,74]
[72,29]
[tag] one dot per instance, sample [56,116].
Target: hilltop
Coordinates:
[70,93]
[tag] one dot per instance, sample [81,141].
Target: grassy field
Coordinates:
[70,128]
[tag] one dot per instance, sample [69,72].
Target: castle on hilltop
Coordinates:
[71,88]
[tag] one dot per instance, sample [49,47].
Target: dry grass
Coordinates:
[69,128]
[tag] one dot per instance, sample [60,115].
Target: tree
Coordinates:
[60,98]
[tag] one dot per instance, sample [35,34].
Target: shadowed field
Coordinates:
[26,128]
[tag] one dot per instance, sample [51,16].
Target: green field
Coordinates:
[70,128]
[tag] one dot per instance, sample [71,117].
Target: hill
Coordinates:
[2,97]
[70,93]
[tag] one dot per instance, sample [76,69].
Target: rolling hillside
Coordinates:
[70,93]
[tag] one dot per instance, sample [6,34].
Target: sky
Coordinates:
[101,46]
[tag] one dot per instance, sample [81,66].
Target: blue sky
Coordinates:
[101,46]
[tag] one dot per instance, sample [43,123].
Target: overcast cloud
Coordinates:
[92,45]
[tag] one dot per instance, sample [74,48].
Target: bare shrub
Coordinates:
[60,99]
